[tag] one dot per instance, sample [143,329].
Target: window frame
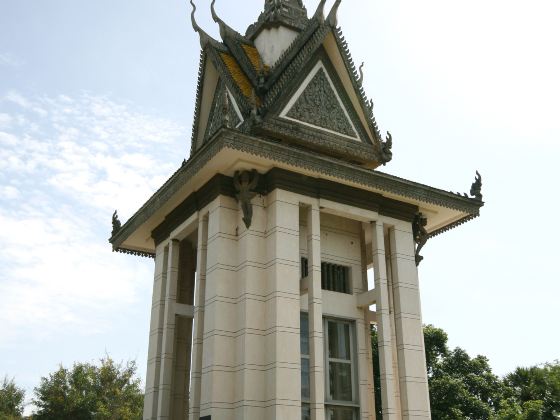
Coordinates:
[332,274]
[305,401]
[353,362]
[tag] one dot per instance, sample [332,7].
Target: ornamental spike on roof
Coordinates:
[291,13]
[314,65]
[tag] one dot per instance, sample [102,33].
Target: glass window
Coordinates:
[304,333]
[340,370]
[340,366]
[335,278]
[305,375]
[339,340]
[305,412]
[340,413]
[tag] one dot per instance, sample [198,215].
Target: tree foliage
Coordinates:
[463,387]
[11,400]
[107,392]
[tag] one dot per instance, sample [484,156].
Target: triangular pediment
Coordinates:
[318,103]
[225,111]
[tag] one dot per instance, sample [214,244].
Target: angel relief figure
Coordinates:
[421,235]
[244,183]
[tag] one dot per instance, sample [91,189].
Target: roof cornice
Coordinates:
[329,167]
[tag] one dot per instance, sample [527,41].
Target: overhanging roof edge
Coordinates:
[229,139]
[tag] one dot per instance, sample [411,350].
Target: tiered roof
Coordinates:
[303,114]
[259,91]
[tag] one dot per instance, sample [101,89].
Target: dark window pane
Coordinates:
[340,379]
[339,340]
[335,278]
[304,267]
[305,412]
[346,281]
[340,413]
[304,333]
[305,379]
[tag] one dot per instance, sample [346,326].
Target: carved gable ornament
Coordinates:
[317,104]
[225,112]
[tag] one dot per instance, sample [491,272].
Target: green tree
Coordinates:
[376,378]
[107,392]
[11,400]
[460,386]
[536,388]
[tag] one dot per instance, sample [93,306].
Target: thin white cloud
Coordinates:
[10,60]
[63,171]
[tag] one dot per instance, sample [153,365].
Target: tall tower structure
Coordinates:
[263,238]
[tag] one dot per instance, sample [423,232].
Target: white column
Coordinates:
[217,398]
[283,379]
[365,366]
[388,400]
[408,321]
[316,354]
[365,355]
[156,334]
[198,327]
[251,369]
[168,338]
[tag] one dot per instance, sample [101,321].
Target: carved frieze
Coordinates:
[318,105]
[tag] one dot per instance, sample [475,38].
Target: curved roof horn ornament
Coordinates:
[224,27]
[320,12]
[204,37]
[332,18]
[361,79]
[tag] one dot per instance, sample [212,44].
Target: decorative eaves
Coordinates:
[330,167]
[196,118]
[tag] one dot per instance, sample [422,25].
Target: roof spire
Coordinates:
[204,37]
[320,12]
[290,13]
[332,19]
[224,27]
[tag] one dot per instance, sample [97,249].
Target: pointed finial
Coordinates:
[204,37]
[332,18]
[224,28]
[213,10]
[116,224]
[476,187]
[361,80]
[320,12]
[386,149]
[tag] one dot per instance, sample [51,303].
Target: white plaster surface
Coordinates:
[272,42]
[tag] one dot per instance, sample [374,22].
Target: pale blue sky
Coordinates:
[96,105]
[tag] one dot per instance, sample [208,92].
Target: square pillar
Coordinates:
[283,378]
[365,355]
[251,367]
[168,336]
[221,325]
[408,321]
[384,329]
[156,334]
[198,322]
[315,305]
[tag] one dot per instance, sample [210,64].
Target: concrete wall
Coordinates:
[248,297]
